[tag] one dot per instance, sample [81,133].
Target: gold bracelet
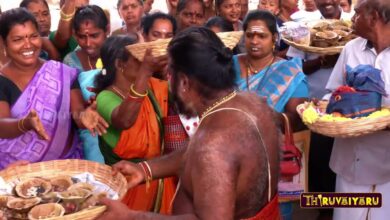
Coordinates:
[67,16]
[136,93]
[66,19]
[21,126]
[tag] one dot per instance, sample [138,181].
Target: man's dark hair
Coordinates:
[382,7]
[25,3]
[220,22]
[92,13]
[12,17]
[114,48]
[148,21]
[199,53]
[263,15]
[181,5]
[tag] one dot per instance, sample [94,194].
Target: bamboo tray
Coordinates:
[159,47]
[101,172]
[316,50]
[346,129]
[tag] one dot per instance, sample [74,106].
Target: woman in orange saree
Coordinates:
[134,103]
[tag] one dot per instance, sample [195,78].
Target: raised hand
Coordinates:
[153,64]
[133,172]
[33,122]
[92,121]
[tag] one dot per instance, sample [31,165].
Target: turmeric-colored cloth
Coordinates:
[140,142]
[268,212]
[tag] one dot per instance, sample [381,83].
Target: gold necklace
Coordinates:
[89,62]
[249,68]
[116,90]
[218,103]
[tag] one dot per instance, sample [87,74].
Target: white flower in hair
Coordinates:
[104,72]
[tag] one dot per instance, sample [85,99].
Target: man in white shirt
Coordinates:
[318,69]
[362,164]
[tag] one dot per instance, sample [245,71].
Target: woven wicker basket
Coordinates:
[316,50]
[346,129]
[55,168]
[159,47]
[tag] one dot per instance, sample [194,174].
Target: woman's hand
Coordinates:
[152,64]
[92,121]
[33,122]
[133,172]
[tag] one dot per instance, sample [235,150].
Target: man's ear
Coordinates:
[374,18]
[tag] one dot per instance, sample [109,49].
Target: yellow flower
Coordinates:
[99,64]
[310,115]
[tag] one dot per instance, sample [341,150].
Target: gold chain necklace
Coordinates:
[116,90]
[89,62]
[251,71]
[218,103]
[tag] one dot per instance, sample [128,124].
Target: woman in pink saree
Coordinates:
[40,102]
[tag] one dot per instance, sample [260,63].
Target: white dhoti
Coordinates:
[382,213]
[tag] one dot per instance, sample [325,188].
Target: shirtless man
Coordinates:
[224,171]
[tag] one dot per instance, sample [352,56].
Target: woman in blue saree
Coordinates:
[91,27]
[280,81]
[40,101]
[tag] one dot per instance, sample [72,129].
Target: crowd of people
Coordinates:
[77,92]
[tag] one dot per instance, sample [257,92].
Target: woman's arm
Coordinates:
[161,167]
[86,118]
[12,128]
[49,47]
[64,30]
[291,111]
[8,126]
[125,115]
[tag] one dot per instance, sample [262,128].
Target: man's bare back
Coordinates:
[225,164]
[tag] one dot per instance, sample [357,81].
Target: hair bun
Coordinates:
[226,54]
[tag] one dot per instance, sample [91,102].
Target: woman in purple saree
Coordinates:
[38,100]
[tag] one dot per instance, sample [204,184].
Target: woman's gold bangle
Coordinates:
[21,126]
[67,17]
[136,93]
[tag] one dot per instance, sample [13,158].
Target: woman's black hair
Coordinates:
[118,4]
[114,48]
[199,53]
[12,17]
[148,21]
[181,5]
[92,13]
[218,4]
[220,22]
[263,15]
[25,3]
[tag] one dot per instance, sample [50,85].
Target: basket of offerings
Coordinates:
[324,37]
[58,189]
[337,125]
[354,109]
[159,47]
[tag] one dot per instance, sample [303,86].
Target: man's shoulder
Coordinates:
[357,43]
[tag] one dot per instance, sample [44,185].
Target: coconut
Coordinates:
[22,205]
[61,183]
[44,211]
[32,187]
